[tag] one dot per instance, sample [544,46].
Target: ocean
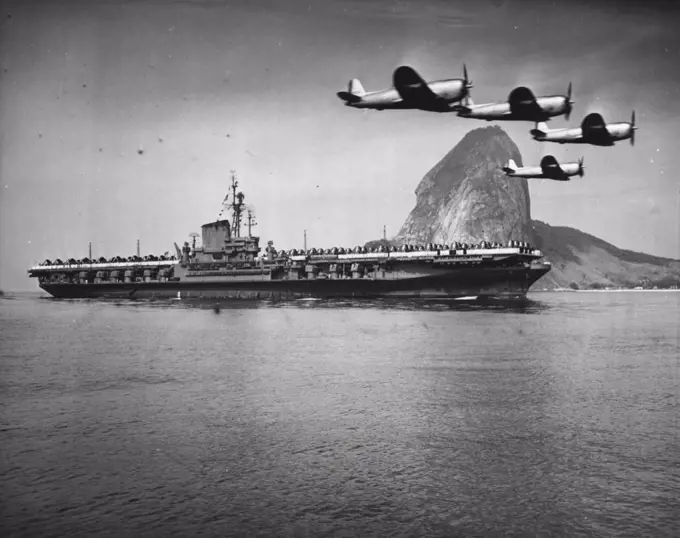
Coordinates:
[558,417]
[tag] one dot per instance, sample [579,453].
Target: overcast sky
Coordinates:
[206,86]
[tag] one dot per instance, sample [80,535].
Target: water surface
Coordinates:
[558,417]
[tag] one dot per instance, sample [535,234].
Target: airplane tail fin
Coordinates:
[465,105]
[355,91]
[511,167]
[355,88]
[541,129]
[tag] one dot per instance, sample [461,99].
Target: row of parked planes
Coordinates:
[410,91]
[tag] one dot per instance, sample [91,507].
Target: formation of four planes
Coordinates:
[411,92]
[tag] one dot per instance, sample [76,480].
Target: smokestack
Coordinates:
[305,240]
[137,247]
[90,249]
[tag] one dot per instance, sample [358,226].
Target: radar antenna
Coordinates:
[193,235]
[236,205]
[251,222]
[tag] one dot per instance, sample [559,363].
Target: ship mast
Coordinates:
[251,222]
[236,207]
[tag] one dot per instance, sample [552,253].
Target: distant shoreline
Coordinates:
[568,290]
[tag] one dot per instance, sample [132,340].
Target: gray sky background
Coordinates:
[206,86]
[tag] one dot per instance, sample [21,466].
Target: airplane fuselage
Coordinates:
[563,173]
[448,92]
[384,99]
[548,107]
[613,132]
[620,130]
[573,135]
[451,90]
[527,171]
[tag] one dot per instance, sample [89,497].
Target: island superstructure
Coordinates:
[228,265]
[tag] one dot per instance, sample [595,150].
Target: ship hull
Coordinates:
[456,283]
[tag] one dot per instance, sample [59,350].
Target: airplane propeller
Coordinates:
[568,103]
[632,129]
[580,167]
[467,82]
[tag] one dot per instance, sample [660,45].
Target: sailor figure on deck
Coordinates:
[270,251]
[186,251]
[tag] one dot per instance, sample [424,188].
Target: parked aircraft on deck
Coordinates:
[521,105]
[593,130]
[549,169]
[410,91]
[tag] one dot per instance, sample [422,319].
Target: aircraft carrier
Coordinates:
[228,265]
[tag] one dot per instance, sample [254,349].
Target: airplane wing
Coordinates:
[523,103]
[551,168]
[413,89]
[594,128]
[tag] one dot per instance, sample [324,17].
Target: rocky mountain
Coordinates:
[466,197]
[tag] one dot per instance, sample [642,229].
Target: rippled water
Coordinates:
[556,417]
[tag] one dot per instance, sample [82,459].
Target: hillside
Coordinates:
[585,261]
[466,197]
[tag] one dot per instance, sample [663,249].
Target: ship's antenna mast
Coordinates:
[305,240]
[251,222]
[237,206]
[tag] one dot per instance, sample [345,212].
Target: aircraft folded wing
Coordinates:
[550,167]
[412,88]
[594,128]
[523,102]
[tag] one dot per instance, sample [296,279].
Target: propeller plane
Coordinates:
[410,91]
[548,169]
[521,105]
[593,131]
